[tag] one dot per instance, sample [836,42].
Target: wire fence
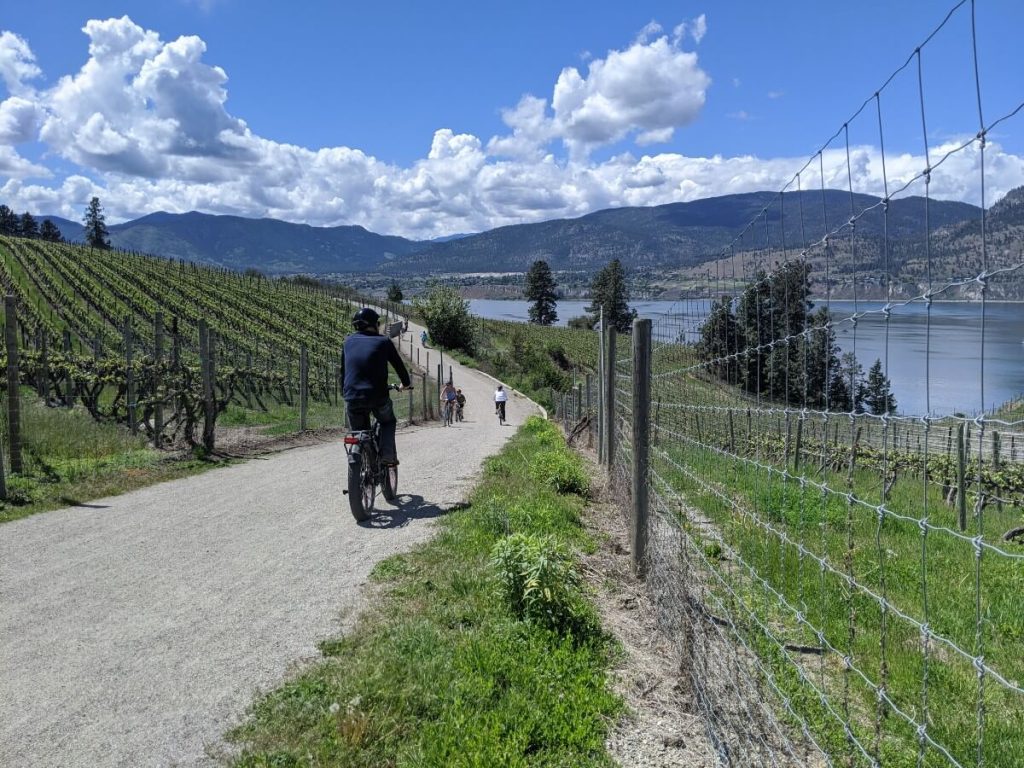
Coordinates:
[843,575]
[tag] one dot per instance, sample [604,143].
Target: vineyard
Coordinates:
[165,350]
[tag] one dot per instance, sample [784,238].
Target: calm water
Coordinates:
[934,367]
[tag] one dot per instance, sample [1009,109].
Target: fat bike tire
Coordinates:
[355,490]
[390,485]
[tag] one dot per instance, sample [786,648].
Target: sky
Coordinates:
[431,119]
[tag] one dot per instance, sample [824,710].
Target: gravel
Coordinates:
[135,630]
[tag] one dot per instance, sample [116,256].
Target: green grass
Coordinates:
[753,510]
[442,672]
[69,459]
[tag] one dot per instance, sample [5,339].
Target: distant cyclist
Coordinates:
[449,395]
[423,338]
[460,403]
[364,369]
[500,398]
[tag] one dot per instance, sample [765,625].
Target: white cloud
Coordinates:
[17,63]
[776,94]
[700,28]
[147,121]
[741,114]
[649,87]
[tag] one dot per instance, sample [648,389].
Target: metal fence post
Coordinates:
[641,441]
[609,400]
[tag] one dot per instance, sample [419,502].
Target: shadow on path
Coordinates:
[408,507]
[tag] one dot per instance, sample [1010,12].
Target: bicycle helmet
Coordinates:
[365,318]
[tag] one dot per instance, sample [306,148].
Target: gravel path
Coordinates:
[135,630]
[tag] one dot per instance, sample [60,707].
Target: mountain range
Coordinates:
[675,237]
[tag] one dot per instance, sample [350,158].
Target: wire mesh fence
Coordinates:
[840,561]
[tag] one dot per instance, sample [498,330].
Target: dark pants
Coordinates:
[499,408]
[359,419]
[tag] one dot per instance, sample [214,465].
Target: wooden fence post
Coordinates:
[423,386]
[13,382]
[158,389]
[129,375]
[303,386]
[601,377]
[206,369]
[69,382]
[43,371]
[641,441]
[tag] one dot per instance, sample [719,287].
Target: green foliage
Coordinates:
[582,323]
[540,289]
[446,315]
[96,234]
[563,471]
[609,292]
[878,396]
[538,580]
[49,232]
[395,294]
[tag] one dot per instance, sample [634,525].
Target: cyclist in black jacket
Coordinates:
[364,369]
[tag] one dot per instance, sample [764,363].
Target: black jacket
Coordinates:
[364,366]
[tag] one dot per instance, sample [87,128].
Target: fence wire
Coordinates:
[842,572]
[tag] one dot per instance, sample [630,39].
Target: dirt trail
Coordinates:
[135,630]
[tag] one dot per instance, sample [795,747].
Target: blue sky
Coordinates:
[427,119]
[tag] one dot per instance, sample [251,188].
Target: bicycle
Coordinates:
[499,408]
[366,471]
[447,413]
[458,412]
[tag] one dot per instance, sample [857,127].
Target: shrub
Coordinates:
[562,471]
[538,581]
[446,315]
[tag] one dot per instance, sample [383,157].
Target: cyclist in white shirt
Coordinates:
[500,398]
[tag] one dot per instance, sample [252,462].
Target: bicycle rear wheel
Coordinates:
[390,485]
[355,490]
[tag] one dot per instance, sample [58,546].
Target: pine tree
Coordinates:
[540,289]
[49,232]
[27,226]
[395,293]
[608,291]
[878,396]
[96,234]
[720,340]
[9,225]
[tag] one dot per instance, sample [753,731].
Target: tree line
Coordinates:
[773,343]
[96,233]
[25,225]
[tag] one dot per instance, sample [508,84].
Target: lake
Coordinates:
[934,368]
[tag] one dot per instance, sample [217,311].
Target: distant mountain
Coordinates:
[678,238]
[275,247]
[677,235]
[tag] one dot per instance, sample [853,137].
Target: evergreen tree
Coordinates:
[753,321]
[608,291]
[852,375]
[540,289]
[49,232]
[27,225]
[878,396]
[9,224]
[720,340]
[96,234]
[395,293]
[822,365]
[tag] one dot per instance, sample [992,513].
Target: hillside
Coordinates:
[678,238]
[271,246]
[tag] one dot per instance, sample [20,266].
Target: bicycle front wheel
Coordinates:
[390,486]
[355,491]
